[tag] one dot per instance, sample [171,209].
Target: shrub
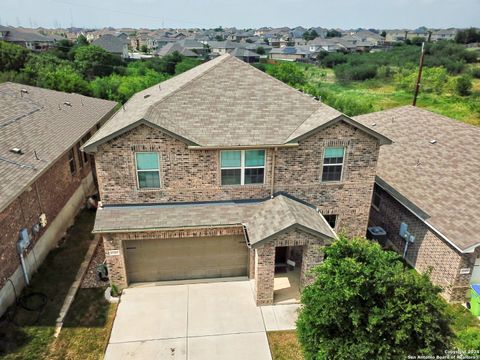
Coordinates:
[464,86]
[349,72]
[364,304]
[476,73]
[288,73]
[332,59]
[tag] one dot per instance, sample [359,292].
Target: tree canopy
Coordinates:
[365,304]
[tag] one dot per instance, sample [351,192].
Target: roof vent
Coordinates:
[68,103]
[16,151]
[433,141]
[374,124]
[146,96]
[23,91]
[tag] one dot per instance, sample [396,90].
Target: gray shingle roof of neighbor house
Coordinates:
[433,168]
[44,122]
[110,43]
[262,219]
[239,52]
[170,48]
[224,103]
[19,34]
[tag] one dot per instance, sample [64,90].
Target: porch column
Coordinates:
[264,274]
[312,256]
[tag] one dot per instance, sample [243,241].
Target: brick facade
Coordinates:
[194,175]
[312,255]
[48,194]
[429,252]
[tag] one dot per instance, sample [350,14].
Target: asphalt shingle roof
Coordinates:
[440,179]
[262,219]
[223,102]
[110,43]
[40,121]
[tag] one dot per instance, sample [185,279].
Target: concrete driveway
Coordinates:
[196,322]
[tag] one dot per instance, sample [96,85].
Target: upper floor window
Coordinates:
[240,167]
[333,158]
[71,162]
[148,170]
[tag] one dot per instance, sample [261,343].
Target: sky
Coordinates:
[345,14]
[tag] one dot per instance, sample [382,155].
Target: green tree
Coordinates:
[144,48]
[12,57]
[81,40]
[333,33]
[218,37]
[260,50]
[63,78]
[383,34]
[464,85]
[94,61]
[310,35]
[365,304]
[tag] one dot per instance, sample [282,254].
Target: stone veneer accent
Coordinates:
[429,252]
[265,261]
[194,175]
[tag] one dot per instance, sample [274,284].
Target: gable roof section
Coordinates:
[222,103]
[438,182]
[110,43]
[40,121]
[262,219]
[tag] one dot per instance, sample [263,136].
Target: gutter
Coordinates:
[468,250]
[234,147]
[146,229]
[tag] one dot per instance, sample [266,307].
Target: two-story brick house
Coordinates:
[225,171]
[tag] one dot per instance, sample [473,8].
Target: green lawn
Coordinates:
[29,334]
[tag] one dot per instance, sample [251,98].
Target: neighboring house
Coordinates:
[444,34]
[44,175]
[222,47]
[320,44]
[394,36]
[27,38]
[428,180]
[170,48]
[245,55]
[289,53]
[193,45]
[225,171]
[370,36]
[113,44]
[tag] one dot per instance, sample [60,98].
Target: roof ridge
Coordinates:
[304,121]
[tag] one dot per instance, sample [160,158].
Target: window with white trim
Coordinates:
[333,158]
[148,170]
[241,167]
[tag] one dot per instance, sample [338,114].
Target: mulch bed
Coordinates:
[90,280]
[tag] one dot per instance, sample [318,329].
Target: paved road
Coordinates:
[195,322]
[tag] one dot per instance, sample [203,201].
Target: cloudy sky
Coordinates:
[381,14]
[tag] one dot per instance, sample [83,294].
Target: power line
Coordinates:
[110,10]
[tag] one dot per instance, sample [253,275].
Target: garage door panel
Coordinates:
[186,258]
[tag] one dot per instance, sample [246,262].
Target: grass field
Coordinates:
[28,335]
[360,97]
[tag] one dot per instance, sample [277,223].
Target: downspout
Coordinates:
[24,269]
[273,171]
[405,249]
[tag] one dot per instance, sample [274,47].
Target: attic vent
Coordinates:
[146,96]
[67,103]
[374,124]
[433,141]
[24,91]
[16,151]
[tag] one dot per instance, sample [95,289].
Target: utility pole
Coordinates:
[419,78]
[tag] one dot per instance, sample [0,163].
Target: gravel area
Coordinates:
[90,280]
